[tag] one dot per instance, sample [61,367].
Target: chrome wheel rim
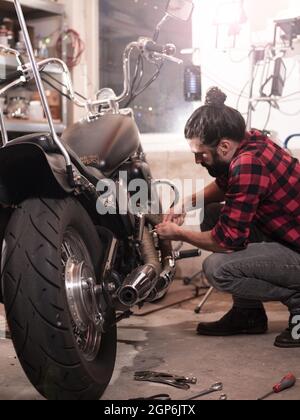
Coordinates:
[81,291]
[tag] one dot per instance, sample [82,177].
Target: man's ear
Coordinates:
[224,147]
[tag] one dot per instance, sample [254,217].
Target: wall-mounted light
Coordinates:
[192,83]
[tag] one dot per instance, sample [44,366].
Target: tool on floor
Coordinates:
[204,300]
[159,397]
[214,388]
[286,383]
[180,382]
[223,397]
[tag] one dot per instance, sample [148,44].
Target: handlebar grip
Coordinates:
[184,255]
[11,77]
[151,46]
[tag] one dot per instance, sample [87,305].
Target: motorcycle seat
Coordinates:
[46,142]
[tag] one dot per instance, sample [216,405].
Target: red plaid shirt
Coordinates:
[262,188]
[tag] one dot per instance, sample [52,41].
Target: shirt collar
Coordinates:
[250,136]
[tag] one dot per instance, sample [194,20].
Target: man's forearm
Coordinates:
[202,240]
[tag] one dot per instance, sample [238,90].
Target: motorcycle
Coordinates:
[69,274]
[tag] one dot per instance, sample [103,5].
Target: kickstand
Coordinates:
[121,317]
[179,302]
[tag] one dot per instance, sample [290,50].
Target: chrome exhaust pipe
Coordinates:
[138,286]
[164,282]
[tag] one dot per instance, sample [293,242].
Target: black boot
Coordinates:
[286,340]
[237,321]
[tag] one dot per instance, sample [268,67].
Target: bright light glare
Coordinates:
[229,13]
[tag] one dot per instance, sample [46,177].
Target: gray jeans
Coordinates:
[264,272]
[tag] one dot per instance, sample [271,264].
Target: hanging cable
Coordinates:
[288,114]
[141,90]
[65,95]
[137,78]
[74,45]
[245,87]
[62,84]
[222,85]
[268,117]
[283,99]
[241,95]
[241,60]
[152,80]
[139,72]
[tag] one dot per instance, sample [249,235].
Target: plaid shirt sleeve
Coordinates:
[248,184]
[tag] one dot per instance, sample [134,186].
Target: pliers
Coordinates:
[159,397]
[180,382]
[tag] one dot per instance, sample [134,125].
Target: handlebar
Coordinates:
[25,73]
[167,49]
[152,51]
[68,80]
[157,52]
[151,46]
[126,69]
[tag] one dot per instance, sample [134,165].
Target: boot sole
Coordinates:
[287,346]
[232,334]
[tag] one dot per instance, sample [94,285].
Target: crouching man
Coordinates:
[255,235]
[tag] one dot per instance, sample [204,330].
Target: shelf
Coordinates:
[33,9]
[18,126]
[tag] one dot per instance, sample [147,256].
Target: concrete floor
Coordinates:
[166,342]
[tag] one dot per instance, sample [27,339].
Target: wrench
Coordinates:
[214,388]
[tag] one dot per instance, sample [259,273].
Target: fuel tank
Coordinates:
[105,143]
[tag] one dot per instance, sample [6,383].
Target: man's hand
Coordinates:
[169,231]
[176,215]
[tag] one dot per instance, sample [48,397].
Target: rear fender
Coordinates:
[27,171]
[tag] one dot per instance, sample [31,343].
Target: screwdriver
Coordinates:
[286,383]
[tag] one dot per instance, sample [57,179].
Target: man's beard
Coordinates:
[218,168]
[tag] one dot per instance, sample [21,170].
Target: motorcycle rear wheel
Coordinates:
[49,245]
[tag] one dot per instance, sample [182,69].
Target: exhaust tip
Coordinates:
[128,296]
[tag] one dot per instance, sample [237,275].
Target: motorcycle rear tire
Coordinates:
[36,301]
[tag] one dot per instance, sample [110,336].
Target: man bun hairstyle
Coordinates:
[215,121]
[215,97]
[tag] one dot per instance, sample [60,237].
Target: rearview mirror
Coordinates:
[180,9]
